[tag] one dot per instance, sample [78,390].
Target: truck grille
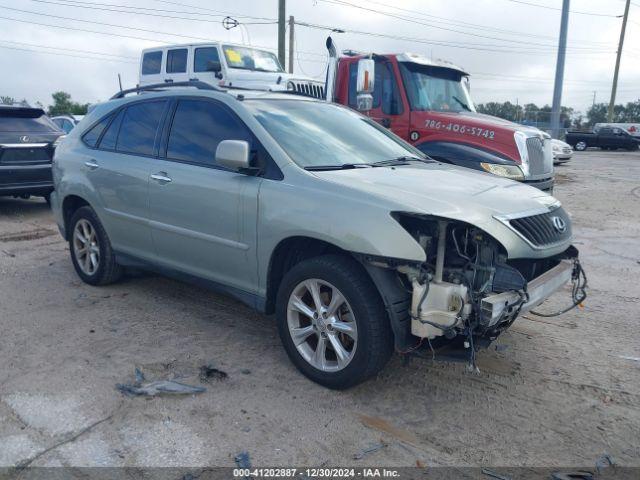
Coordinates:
[538,163]
[310,89]
[545,229]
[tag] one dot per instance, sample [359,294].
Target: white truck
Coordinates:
[222,64]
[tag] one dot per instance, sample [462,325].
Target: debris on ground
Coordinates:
[158,387]
[242,460]
[209,372]
[577,475]
[605,460]
[369,450]
[491,473]
[382,425]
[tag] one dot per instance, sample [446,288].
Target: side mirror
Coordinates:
[233,154]
[365,83]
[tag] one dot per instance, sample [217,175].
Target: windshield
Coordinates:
[251,59]
[435,88]
[323,134]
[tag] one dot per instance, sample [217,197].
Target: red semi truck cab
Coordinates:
[427,103]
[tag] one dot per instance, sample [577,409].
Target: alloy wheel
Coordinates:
[322,325]
[86,247]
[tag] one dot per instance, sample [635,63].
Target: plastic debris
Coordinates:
[158,387]
[243,460]
[369,450]
[493,474]
[605,460]
[209,372]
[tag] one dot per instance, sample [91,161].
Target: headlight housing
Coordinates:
[507,171]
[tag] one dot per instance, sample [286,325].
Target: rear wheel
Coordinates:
[90,248]
[332,321]
[580,146]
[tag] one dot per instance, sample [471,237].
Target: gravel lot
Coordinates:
[561,391]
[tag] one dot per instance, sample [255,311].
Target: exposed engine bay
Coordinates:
[469,287]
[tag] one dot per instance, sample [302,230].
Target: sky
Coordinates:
[508,46]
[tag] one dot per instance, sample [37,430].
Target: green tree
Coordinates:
[506,110]
[62,104]
[7,100]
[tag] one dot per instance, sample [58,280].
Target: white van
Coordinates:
[632,128]
[222,64]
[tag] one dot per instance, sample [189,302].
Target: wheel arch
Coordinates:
[70,204]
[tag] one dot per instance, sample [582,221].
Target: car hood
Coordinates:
[444,190]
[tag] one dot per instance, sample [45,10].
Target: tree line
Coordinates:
[62,104]
[532,114]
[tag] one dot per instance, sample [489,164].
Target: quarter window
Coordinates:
[198,127]
[177,60]
[110,137]
[139,128]
[151,62]
[92,136]
[204,58]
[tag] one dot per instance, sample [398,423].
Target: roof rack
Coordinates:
[159,86]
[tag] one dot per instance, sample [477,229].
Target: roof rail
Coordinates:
[159,86]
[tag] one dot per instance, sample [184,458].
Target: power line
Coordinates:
[68,55]
[69,49]
[594,14]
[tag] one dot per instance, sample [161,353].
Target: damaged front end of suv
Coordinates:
[471,287]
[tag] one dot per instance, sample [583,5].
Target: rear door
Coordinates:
[203,216]
[177,65]
[117,167]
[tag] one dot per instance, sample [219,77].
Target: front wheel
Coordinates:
[580,146]
[332,321]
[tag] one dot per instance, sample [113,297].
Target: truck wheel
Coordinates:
[580,146]
[332,321]
[90,248]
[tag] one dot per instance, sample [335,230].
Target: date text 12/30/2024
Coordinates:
[315,473]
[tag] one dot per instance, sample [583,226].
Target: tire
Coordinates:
[100,268]
[371,345]
[580,146]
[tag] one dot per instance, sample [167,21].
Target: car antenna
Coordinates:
[120,82]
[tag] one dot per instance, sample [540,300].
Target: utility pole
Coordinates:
[557,87]
[291,42]
[281,31]
[615,73]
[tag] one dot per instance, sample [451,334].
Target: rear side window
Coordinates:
[204,57]
[151,62]
[110,137]
[177,60]
[139,128]
[197,129]
[92,136]
[25,120]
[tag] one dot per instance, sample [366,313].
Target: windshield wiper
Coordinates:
[344,166]
[462,104]
[404,160]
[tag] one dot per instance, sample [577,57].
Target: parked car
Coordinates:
[220,64]
[605,138]
[562,151]
[28,139]
[67,122]
[355,239]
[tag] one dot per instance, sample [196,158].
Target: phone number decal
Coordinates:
[461,129]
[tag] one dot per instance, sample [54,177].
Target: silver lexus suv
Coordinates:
[357,242]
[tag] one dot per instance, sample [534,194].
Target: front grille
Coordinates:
[25,156]
[311,89]
[566,150]
[543,230]
[537,161]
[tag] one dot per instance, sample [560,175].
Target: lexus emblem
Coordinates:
[24,139]
[559,224]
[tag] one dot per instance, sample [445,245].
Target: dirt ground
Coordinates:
[558,391]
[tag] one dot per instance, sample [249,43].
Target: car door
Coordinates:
[151,69]
[176,65]
[207,66]
[203,216]
[118,168]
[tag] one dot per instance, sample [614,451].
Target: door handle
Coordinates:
[92,164]
[194,79]
[161,178]
[168,80]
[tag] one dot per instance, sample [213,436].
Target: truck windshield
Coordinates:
[246,58]
[435,88]
[316,134]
